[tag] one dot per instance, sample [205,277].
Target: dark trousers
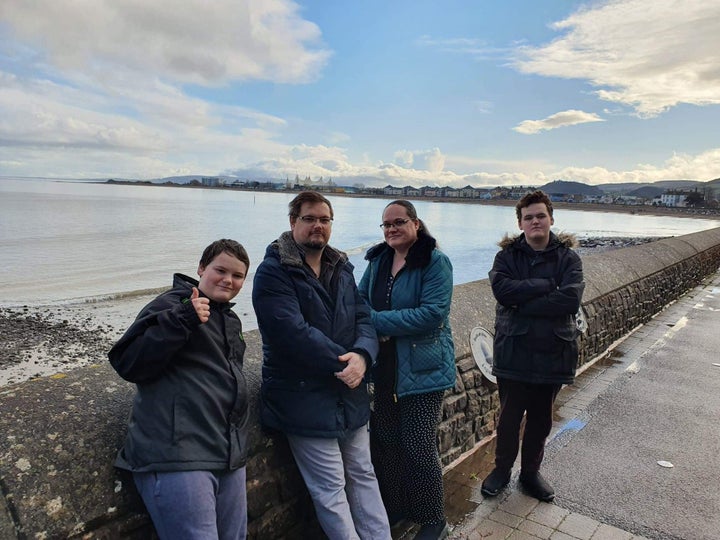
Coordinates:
[516,399]
[403,437]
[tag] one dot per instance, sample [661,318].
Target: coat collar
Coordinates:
[418,256]
[292,255]
[556,240]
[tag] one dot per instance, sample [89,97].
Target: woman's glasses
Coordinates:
[397,223]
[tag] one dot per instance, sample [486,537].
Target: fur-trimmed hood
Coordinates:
[290,253]
[418,256]
[568,240]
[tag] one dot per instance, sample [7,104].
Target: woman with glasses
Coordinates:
[408,284]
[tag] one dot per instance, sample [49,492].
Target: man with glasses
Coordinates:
[318,343]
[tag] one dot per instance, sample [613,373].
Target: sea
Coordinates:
[70,242]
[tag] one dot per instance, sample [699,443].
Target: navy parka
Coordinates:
[304,329]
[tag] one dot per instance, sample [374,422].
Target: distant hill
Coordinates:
[627,187]
[670,184]
[563,187]
[646,192]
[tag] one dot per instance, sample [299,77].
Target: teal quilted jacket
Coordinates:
[419,318]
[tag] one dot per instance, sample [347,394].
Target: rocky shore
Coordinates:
[600,244]
[47,341]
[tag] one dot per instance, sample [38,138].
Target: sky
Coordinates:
[403,92]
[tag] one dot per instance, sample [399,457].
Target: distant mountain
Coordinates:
[563,187]
[646,192]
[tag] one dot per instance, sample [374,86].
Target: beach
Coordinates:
[42,341]
[48,341]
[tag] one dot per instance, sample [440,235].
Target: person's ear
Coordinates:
[201,270]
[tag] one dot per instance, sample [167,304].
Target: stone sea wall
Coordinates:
[60,433]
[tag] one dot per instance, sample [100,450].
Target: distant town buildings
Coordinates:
[211,181]
[559,190]
[673,198]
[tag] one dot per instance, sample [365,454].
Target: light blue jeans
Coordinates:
[196,505]
[341,480]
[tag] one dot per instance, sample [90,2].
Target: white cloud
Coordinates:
[37,113]
[404,158]
[96,88]
[562,119]
[144,131]
[433,159]
[704,167]
[187,42]
[646,54]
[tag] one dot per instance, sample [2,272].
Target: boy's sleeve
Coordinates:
[161,329]
[511,291]
[565,299]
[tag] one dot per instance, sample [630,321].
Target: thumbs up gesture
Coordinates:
[201,305]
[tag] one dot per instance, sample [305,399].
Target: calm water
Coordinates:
[67,242]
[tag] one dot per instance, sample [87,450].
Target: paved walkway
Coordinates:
[655,398]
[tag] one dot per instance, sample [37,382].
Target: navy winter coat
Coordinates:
[191,409]
[538,294]
[418,318]
[304,329]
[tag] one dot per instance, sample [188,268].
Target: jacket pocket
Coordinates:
[425,355]
[511,324]
[567,331]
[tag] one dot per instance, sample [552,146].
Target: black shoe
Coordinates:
[536,486]
[495,481]
[433,531]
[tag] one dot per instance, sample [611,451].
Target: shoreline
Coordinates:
[40,341]
[647,210]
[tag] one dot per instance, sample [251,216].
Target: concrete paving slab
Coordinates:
[652,398]
[665,408]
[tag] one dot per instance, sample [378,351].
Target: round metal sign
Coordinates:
[481,344]
[581,321]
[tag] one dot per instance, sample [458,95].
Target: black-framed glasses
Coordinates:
[397,223]
[310,220]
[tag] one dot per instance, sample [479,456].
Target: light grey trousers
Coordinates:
[341,480]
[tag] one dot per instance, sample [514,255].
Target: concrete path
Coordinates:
[656,398]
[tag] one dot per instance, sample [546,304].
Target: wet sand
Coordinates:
[41,341]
